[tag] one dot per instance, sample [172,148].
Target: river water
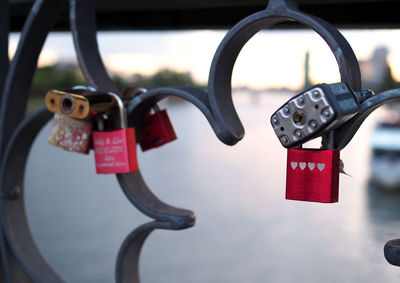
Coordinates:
[245,229]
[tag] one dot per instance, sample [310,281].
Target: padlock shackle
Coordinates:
[122,116]
[84,87]
[131,93]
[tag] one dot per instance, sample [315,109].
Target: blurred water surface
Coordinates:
[245,230]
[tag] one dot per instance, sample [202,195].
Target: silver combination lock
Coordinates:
[316,111]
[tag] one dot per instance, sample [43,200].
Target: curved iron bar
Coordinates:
[4,63]
[4,60]
[139,105]
[13,215]
[127,267]
[391,251]
[83,25]
[348,130]
[23,66]
[277,11]
[166,216]
[13,104]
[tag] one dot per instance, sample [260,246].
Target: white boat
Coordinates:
[385,161]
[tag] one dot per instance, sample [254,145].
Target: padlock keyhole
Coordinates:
[299,118]
[67,105]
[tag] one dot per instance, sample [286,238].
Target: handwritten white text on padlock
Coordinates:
[115,140]
[110,164]
[109,149]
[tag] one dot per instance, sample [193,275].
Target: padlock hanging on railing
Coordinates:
[71,134]
[72,125]
[156,129]
[313,174]
[115,149]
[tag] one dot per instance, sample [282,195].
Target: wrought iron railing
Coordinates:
[20,257]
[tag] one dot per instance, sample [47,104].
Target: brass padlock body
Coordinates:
[79,104]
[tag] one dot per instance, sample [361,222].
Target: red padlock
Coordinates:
[313,175]
[115,150]
[157,130]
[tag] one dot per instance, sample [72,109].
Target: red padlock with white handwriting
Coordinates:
[157,129]
[115,150]
[313,175]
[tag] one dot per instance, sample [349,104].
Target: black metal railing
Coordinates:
[21,259]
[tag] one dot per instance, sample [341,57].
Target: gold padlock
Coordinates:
[79,103]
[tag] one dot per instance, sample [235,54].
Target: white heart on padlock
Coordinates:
[294,165]
[302,165]
[321,166]
[311,166]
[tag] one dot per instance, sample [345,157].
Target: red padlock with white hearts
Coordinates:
[115,150]
[313,175]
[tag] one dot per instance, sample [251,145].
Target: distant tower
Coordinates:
[375,70]
[307,82]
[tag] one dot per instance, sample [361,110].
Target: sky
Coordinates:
[272,58]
